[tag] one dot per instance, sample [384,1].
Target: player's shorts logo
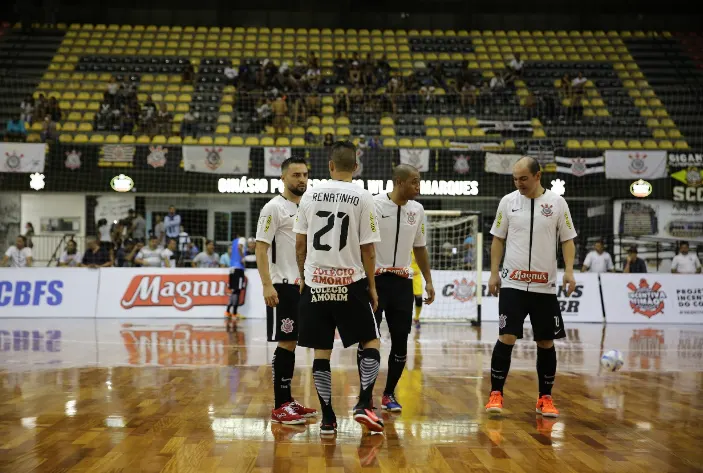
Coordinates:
[645,300]
[547,210]
[329,294]
[286,325]
[502,320]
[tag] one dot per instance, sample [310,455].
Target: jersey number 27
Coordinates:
[331,217]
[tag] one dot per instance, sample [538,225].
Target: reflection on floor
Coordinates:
[183,395]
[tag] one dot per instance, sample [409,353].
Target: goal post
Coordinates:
[455,246]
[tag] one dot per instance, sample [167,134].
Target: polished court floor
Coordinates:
[185,396]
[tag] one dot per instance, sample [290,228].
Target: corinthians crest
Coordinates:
[13,161]
[646,300]
[73,159]
[637,163]
[157,157]
[213,160]
[411,218]
[461,164]
[464,290]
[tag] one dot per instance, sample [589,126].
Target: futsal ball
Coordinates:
[612,360]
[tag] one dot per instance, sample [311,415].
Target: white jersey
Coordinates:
[18,258]
[275,227]
[72,260]
[532,229]
[167,255]
[204,260]
[686,264]
[402,229]
[598,263]
[152,258]
[337,218]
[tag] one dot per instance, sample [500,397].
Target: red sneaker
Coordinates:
[302,410]
[286,415]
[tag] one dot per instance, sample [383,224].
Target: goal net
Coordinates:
[454,241]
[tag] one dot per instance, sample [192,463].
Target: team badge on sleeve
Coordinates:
[372,222]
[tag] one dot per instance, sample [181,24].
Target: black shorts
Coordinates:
[282,320]
[396,300]
[345,308]
[545,315]
[236,279]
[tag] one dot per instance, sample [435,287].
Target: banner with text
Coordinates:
[163,292]
[48,292]
[655,298]
[216,159]
[22,157]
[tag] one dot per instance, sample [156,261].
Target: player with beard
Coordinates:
[275,258]
[402,225]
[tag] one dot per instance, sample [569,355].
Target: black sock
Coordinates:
[322,374]
[370,364]
[359,355]
[546,369]
[283,366]
[500,365]
[396,365]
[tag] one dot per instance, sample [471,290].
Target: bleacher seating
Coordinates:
[623,106]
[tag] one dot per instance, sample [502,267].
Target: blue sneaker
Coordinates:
[389,403]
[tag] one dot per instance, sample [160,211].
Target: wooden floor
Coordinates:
[184,396]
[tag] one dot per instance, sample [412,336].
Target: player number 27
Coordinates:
[331,217]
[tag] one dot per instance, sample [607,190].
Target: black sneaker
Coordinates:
[328,427]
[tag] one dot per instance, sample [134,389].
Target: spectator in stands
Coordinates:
[341,103]
[148,116]
[110,97]
[341,69]
[598,260]
[18,255]
[150,256]
[355,73]
[55,110]
[368,72]
[29,234]
[565,87]
[164,121]
[189,74]
[313,105]
[189,125]
[191,252]
[329,140]
[49,129]
[250,257]
[27,107]
[41,107]
[71,257]
[169,254]
[515,68]
[15,130]
[138,226]
[633,264]
[207,258]
[497,82]
[172,223]
[160,230]
[279,109]
[184,244]
[225,258]
[95,256]
[128,120]
[578,87]
[124,256]
[104,234]
[685,262]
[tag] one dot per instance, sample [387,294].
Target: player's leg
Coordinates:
[282,326]
[417,293]
[385,292]
[357,324]
[316,330]
[547,325]
[399,319]
[512,309]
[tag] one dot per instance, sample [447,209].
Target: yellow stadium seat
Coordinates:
[445,121]
[680,144]
[314,130]
[327,130]
[573,144]
[436,143]
[221,141]
[342,121]
[650,144]
[80,138]
[158,140]
[297,141]
[477,132]
[267,141]
[538,133]
[634,144]
[282,141]
[460,121]
[174,140]
[97,139]
[588,144]
[448,133]
[432,131]
[344,131]
[387,121]
[431,121]
[328,110]
[143,140]
[674,133]
[112,139]
[69,126]
[668,123]
[128,139]
[419,143]
[387,131]
[666,144]
[222,130]
[659,133]
[189,140]
[405,143]
[390,143]
[619,144]
[65,138]
[463,132]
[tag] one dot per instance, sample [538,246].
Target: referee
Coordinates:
[530,220]
[402,223]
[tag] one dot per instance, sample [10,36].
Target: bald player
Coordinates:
[401,222]
[529,223]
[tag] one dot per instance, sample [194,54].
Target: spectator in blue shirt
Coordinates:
[225,258]
[16,131]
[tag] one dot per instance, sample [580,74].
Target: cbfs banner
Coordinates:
[653,298]
[165,293]
[48,292]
